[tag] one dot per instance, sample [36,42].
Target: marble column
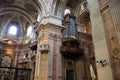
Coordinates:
[48,60]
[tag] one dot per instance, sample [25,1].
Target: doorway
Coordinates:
[69,74]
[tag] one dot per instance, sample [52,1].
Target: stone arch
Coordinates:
[5,24]
[16,10]
[6,60]
[42,6]
[4,54]
[57,7]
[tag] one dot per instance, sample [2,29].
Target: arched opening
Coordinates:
[29,32]
[12,30]
[6,61]
[31,35]
[67,11]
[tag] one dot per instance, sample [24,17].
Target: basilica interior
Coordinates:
[59,40]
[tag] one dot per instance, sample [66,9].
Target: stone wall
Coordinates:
[99,40]
[115,12]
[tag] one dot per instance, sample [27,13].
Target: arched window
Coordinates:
[12,30]
[6,61]
[29,31]
[67,11]
[31,34]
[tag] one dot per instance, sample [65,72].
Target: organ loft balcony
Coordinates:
[71,50]
[70,44]
[84,8]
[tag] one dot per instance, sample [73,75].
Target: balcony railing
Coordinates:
[84,8]
[44,48]
[23,60]
[86,29]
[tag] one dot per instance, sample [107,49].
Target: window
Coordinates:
[67,11]
[29,31]
[25,56]
[12,30]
